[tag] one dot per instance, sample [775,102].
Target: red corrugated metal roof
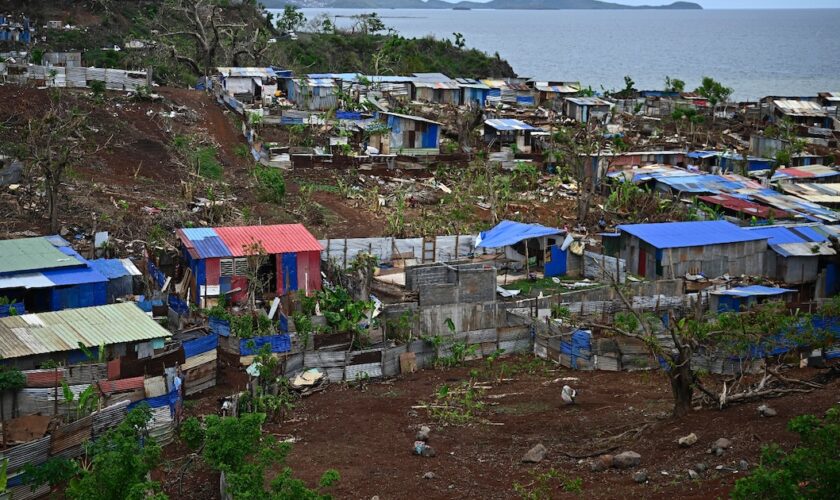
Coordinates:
[795,172]
[281,238]
[743,206]
[126,384]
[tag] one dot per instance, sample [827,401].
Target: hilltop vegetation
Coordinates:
[185,39]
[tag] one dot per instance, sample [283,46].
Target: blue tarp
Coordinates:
[74,276]
[509,233]
[6,309]
[278,343]
[155,273]
[200,345]
[220,327]
[178,305]
[170,399]
[110,268]
[689,234]
[578,347]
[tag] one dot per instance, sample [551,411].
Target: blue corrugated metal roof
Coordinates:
[752,291]
[206,242]
[689,234]
[702,154]
[74,276]
[701,183]
[509,124]
[110,268]
[777,235]
[509,233]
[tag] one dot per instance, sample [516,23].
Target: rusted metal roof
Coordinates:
[744,206]
[122,385]
[799,108]
[45,333]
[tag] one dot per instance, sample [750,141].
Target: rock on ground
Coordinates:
[640,477]
[423,433]
[535,455]
[602,463]
[429,475]
[687,441]
[693,474]
[722,444]
[627,460]
[766,411]
[701,467]
[744,465]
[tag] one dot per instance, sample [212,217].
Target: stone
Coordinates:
[422,449]
[693,474]
[423,433]
[701,467]
[766,411]
[535,455]
[429,475]
[601,463]
[744,465]
[687,441]
[722,444]
[627,460]
[719,451]
[640,477]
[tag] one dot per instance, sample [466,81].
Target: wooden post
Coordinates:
[527,261]
[457,240]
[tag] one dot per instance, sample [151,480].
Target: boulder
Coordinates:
[423,433]
[722,444]
[535,455]
[766,411]
[687,441]
[640,477]
[627,460]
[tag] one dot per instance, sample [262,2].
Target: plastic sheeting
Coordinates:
[509,233]
[277,343]
[200,345]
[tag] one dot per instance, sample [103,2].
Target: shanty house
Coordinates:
[553,92]
[314,94]
[512,91]
[733,162]
[528,246]
[743,297]
[409,135]
[14,31]
[218,260]
[583,109]
[250,84]
[801,112]
[473,91]
[507,132]
[744,210]
[435,88]
[811,173]
[674,249]
[46,274]
[30,340]
[800,254]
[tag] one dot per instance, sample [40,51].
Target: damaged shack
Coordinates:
[222,261]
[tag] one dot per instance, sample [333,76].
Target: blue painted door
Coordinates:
[289,269]
[557,266]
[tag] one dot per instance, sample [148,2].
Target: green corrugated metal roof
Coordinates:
[32,254]
[45,333]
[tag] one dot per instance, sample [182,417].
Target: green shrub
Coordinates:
[271,185]
[811,470]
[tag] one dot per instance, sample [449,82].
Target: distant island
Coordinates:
[493,4]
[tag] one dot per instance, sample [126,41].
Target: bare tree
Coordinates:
[213,31]
[56,141]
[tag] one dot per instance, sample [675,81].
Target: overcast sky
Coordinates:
[740,4]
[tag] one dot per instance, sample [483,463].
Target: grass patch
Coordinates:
[528,286]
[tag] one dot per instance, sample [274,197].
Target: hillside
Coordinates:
[182,45]
[492,4]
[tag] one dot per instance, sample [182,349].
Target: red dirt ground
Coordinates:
[367,436]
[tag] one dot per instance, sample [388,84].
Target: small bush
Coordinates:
[272,186]
[192,433]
